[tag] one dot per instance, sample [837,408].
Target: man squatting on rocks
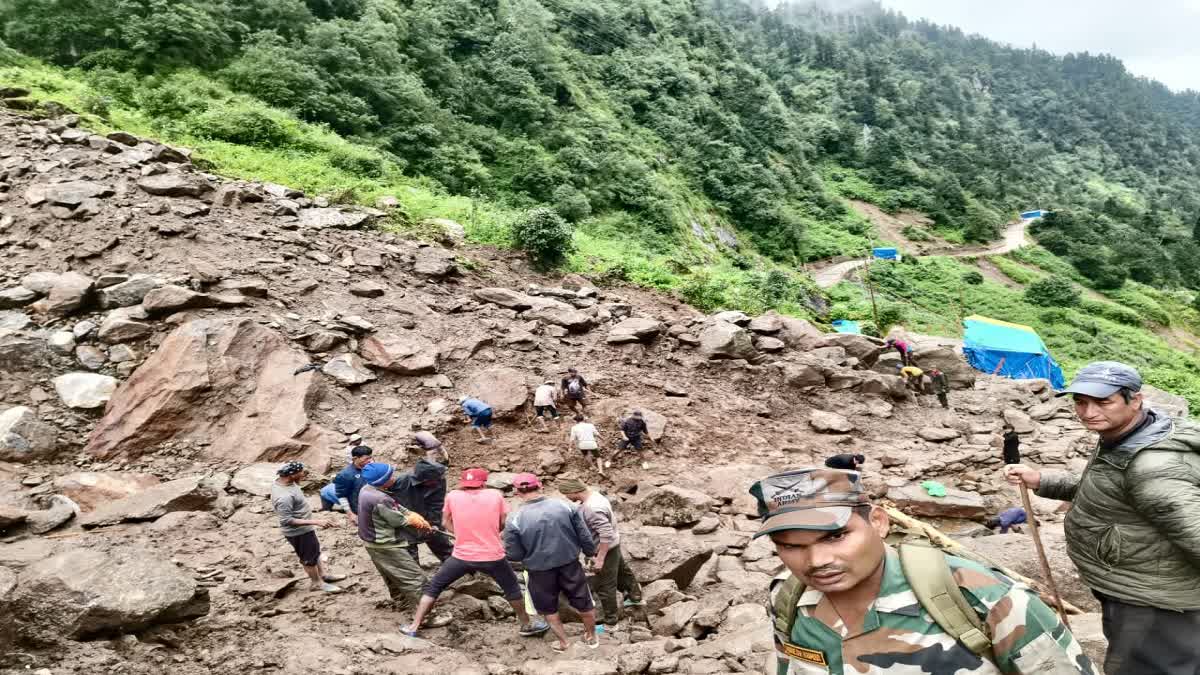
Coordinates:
[387,529]
[299,527]
[850,603]
[612,569]
[475,514]
[1133,530]
[547,536]
[344,489]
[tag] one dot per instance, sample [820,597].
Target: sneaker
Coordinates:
[437,620]
[591,643]
[409,633]
[631,603]
[535,628]
[334,577]
[327,587]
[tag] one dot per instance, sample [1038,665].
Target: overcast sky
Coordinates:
[1159,39]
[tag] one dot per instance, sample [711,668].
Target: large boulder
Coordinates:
[938,434]
[803,376]
[502,388]
[321,218]
[829,422]
[636,329]
[914,500]
[559,314]
[861,347]
[404,354]
[85,390]
[1021,422]
[946,359]
[81,593]
[768,324]
[432,261]
[171,184]
[348,369]
[23,437]
[723,340]
[91,489]
[70,292]
[505,298]
[667,555]
[119,327]
[182,494]
[1175,406]
[128,293]
[255,479]
[228,382]
[798,333]
[673,506]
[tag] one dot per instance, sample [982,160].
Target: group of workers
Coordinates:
[470,530]
[919,381]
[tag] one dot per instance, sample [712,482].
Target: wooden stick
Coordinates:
[1037,542]
[946,543]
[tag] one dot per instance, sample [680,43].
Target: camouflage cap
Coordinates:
[808,499]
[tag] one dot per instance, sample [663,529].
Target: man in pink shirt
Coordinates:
[475,515]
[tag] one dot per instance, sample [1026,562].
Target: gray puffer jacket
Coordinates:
[1134,528]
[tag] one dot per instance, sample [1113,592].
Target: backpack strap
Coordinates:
[785,593]
[933,583]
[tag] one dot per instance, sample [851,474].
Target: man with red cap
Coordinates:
[475,515]
[547,536]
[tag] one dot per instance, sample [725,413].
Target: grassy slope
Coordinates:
[925,296]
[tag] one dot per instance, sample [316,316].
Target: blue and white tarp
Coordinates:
[846,326]
[1009,349]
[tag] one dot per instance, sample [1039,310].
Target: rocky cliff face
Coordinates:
[154,326]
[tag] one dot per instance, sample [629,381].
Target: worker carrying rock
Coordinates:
[1134,525]
[846,604]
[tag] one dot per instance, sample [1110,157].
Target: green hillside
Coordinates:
[701,146]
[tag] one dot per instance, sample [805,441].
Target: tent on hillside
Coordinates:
[1008,349]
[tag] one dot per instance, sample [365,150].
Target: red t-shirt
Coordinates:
[477,515]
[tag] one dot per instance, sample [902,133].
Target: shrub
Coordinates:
[242,126]
[571,204]
[358,162]
[972,278]
[914,233]
[703,292]
[1052,292]
[545,236]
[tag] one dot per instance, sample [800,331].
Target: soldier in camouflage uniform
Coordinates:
[858,613]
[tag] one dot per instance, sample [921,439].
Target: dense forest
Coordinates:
[669,111]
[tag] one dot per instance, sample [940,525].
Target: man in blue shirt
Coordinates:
[344,489]
[480,416]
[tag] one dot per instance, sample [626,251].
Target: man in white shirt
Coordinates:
[586,439]
[544,404]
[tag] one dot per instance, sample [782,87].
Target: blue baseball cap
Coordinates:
[1103,379]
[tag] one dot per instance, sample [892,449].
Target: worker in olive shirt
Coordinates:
[1134,525]
[851,604]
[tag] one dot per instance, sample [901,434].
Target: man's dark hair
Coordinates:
[860,459]
[572,370]
[992,523]
[361,451]
[527,489]
[862,511]
[1127,394]
[578,417]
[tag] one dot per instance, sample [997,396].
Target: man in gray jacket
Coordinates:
[547,536]
[1134,528]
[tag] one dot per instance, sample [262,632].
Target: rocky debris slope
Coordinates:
[162,330]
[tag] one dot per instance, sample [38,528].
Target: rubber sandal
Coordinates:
[559,649]
[594,643]
[409,633]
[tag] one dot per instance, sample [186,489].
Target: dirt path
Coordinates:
[1014,238]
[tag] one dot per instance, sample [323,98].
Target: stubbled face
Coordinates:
[834,562]
[1107,414]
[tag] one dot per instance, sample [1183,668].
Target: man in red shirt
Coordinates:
[475,515]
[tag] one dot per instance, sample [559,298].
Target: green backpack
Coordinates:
[932,582]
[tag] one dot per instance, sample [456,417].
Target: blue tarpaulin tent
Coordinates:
[1008,349]
[846,326]
[886,253]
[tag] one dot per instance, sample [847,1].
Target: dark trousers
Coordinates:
[943,400]
[615,575]
[1150,641]
[439,545]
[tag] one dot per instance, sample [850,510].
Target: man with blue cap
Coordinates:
[1134,526]
[386,529]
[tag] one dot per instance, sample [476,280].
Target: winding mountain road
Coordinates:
[1014,238]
